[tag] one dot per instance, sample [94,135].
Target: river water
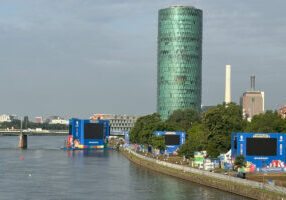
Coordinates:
[43,171]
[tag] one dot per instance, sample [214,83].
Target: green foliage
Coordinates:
[212,150]
[221,121]
[145,126]
[143,129]
[183,119]
[15,124]
[269,122]
[239,161]
[211,133]
[158,142]
[25,122]
[196,141]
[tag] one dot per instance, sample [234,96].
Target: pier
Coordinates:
[23,141]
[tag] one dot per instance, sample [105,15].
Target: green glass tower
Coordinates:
[179,59]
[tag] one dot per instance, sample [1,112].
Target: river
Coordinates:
[43,171]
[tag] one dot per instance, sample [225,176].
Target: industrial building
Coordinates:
[39,120]
[119,124]
[282,112]
[252,101]
[179,59]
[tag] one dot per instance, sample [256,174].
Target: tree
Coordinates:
[212,149]
[183,119]
[239,161]
[14,123]
[144,128]
[269,122]
[158,142]
[25,122]
[220,122]
[196,140]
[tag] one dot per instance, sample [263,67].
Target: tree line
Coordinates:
[210,130]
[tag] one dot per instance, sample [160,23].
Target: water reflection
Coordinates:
[165,187]
[79,154]
[94,174]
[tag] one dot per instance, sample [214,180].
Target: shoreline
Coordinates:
[233,185]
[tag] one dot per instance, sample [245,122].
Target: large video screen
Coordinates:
[70,129]
[172,139]
[261,146]
[93,131]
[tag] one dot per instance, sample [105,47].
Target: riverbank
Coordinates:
[234,185]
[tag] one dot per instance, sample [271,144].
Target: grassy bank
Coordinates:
[206,180]
[280,178]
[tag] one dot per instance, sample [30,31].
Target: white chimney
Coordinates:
[227,84]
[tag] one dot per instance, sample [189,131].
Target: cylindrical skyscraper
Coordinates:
[179,59]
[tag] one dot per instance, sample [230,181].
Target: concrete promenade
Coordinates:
[251,189]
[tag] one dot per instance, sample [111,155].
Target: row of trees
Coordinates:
[209,131]
[16,124]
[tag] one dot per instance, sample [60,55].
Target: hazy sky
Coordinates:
[78,57]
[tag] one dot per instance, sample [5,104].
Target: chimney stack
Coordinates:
[252,83]
[227,84]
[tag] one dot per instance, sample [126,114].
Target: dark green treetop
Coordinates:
[183,119]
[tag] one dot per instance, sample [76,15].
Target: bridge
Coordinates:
[17,132]
[23,134]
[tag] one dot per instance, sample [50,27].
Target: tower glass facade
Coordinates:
[179,59]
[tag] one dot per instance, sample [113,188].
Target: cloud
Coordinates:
[85,56]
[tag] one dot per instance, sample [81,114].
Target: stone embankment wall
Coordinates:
[238,186]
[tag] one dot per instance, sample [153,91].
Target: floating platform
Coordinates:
[88,149]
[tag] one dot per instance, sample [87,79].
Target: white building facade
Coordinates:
[5,118]
[118,123]
[57,120]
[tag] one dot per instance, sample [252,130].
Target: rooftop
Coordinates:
[181,6]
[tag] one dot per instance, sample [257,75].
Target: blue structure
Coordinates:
[88,134]
[126,136]
[262,151]
[173,139]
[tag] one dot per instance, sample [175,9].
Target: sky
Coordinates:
[73,58]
